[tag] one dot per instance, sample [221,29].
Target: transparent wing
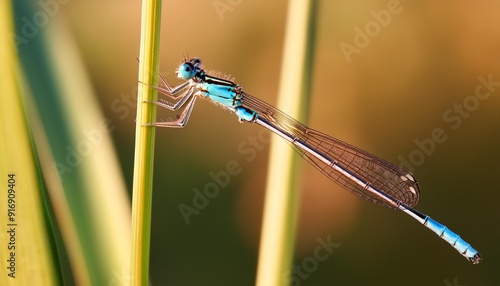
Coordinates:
[387,177]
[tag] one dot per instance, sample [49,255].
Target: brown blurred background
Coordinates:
[387,84]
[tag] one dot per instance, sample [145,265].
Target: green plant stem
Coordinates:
[280,208]
[144,149]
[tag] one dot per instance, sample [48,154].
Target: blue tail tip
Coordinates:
[475,259]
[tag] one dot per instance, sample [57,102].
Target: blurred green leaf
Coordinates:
[78,160]
[27,258]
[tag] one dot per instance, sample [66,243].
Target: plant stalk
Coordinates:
[144,149]
[280,207]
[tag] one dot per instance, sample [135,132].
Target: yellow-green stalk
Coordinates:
[144,149]
[280,207]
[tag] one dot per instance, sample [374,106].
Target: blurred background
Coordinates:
[415,82]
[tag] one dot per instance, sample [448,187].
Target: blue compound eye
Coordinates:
[186,71]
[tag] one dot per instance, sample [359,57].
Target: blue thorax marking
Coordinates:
[222,91]
[226,93]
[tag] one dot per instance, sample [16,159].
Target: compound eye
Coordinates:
[196,62]
[186,71]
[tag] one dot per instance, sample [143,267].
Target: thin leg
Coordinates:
[173,93]
[169,91]
[174,106]
[181,121]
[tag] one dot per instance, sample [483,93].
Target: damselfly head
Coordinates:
[188,69]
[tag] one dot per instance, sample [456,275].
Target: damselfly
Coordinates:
[358,171]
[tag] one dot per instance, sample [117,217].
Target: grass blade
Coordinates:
[77,159]
[279,222]
[144,149]
[25,236]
